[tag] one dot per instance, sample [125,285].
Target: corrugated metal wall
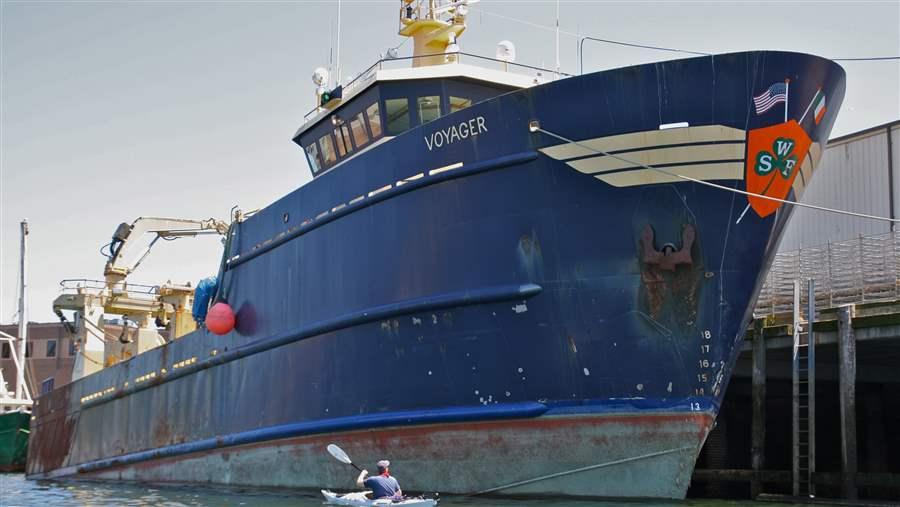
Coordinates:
[853,176]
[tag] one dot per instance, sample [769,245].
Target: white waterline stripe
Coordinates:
[445,168]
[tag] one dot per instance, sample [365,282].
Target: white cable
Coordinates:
[565,32]
[82,352]
[720,187]
[105,335]
[585,469]
[528,23]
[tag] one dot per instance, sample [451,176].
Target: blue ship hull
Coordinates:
[456,302]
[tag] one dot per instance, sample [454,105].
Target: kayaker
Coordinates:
[382,485]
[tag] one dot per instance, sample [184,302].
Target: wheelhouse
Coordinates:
[385,103]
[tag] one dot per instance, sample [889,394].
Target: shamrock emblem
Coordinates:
[780,158]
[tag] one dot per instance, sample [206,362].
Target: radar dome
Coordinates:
[506,51]
[320,76]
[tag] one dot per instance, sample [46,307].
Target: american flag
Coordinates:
[767,99]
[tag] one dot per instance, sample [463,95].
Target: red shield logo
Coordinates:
[774,157]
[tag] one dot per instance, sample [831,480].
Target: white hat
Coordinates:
[384,463]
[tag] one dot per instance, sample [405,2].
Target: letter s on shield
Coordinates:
[774,157]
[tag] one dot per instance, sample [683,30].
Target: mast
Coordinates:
[434,28]
[338,51]
[21,390]
[557,39]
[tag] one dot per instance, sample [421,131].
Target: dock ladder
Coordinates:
[804,393]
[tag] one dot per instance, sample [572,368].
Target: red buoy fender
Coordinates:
[220,319]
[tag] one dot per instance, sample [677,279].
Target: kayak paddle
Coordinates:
[340,455]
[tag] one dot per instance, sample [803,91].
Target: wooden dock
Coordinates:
[811,418]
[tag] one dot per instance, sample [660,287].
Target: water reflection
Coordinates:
[15,491]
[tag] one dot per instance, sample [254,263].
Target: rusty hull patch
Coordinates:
[51,431]
[670,276]
[437,450]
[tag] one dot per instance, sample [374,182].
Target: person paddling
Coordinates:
[382,485]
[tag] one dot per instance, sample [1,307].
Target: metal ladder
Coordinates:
[804,395]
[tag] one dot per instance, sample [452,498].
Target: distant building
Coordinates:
[859,172]
[49,355]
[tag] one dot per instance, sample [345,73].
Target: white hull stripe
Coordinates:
[720,161]
[705,172]
[707,152]
[661,157]
[646,139]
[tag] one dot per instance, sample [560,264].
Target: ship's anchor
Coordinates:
[669,258]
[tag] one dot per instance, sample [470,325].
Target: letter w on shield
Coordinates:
[774,157]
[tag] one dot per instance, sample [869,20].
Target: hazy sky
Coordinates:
[114,110]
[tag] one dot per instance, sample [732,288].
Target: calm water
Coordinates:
[15,491]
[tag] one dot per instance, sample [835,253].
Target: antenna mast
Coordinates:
[557,39]
[338,56]
[21,390]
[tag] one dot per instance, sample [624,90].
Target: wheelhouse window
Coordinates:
[339,142]
[342,139]
[51,348]
[397,111]
[374,120]
[429,108]
[358,128]
[5,351]
[345,134]
[459,103]
[328,153]
[312,152]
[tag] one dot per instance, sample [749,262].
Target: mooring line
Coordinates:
[585,469]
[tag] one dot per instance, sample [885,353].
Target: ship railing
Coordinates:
[865,269]
[366,77]
[85,285]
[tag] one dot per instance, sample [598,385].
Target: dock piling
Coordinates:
[847,367]
[758,449]
[811,382]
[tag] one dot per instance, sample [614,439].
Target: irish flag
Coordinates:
[819,106]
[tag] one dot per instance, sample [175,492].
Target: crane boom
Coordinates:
[117,268]
[167,305]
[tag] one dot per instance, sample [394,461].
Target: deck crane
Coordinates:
[147,306]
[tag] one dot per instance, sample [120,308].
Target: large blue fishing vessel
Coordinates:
[487,268]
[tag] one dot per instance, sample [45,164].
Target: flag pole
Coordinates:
[787,95]
[810,104]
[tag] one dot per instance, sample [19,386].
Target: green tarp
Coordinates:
[13,440]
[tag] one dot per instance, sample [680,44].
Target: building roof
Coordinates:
[865,131]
